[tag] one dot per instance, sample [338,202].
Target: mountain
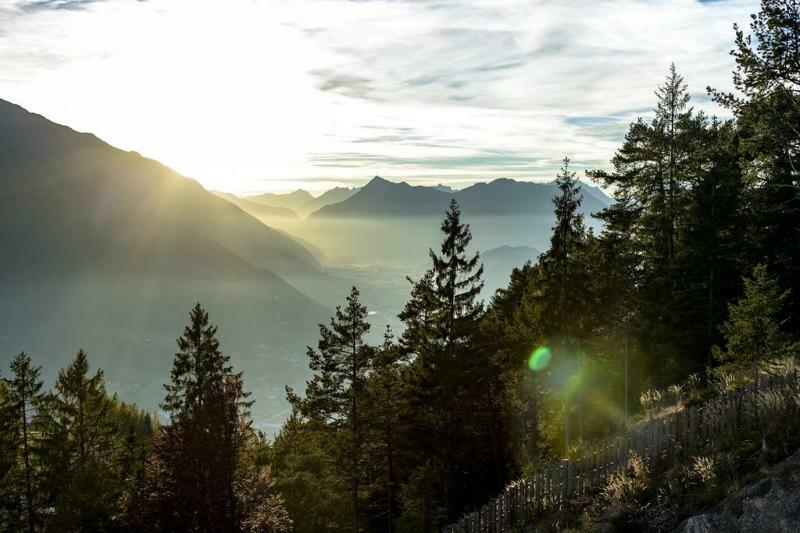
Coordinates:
[443,188]
[263,212]
[299,201]
[292,200]
[106,250]
[499,262]
[382,198]
[331,196]
[393,224]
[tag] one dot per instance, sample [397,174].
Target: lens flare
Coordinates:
[539,359]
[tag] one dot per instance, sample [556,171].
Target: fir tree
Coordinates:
[336,394]
[442,320]
[30,405]
[85,443]
[767,111]
[457,282]
[652,172]
[201,449]
[754,330]
[10,500]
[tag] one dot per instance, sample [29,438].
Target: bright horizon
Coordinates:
[317,94]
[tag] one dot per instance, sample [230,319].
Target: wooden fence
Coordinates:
[666,437]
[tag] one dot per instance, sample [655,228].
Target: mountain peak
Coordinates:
[379,183]
[377,180]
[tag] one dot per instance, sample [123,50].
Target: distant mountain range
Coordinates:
[300,202]
[258,210]
[291,200]
[381,198]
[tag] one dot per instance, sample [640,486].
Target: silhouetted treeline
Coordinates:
[695,270]
[77,459]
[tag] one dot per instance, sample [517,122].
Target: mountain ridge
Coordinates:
[503,196]
[107,250]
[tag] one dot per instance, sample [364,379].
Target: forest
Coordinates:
[694,274]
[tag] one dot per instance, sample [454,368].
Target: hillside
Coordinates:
[499,262]
[263,212]
[292,200]
[106,250]
[331,196]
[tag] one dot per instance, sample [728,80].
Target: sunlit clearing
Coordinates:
[539,359]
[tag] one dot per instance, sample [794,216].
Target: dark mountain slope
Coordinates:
[55,179]
[499,262]
[105,250]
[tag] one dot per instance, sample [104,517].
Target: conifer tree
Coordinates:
[384,389]
[652,172]
[457,282]
[754,329]
[10,499]
[85,444]
[767,111]
[336,394]
[30,405]
[564,286]
[201,449]
[711,241]
[560,299]
[442,320]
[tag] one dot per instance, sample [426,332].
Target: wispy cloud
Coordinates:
[40,5]
[322,91]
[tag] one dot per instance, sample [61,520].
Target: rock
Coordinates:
[771,504]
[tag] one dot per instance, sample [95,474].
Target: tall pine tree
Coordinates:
[85,442]
[336,394]
[441,322]
[201,450]
[30,405]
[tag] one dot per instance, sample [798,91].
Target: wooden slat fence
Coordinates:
[666,437]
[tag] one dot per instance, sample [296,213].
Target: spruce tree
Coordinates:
[200,450]
[385,405]
[457,282]
[564,286]
[754,329]
[560,297]
[711,241]
[652,173]
[336,394]
[10,499]
[85,443]
[30,405]
[767,111]
[442,321]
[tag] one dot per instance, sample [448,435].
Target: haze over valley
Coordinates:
[107,249]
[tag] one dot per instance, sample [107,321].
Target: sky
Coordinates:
[249,96]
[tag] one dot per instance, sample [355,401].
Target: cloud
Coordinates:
[41,5]
[337,90]
[345,84]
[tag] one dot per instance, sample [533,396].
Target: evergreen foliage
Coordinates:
[754,329]
[698,250]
